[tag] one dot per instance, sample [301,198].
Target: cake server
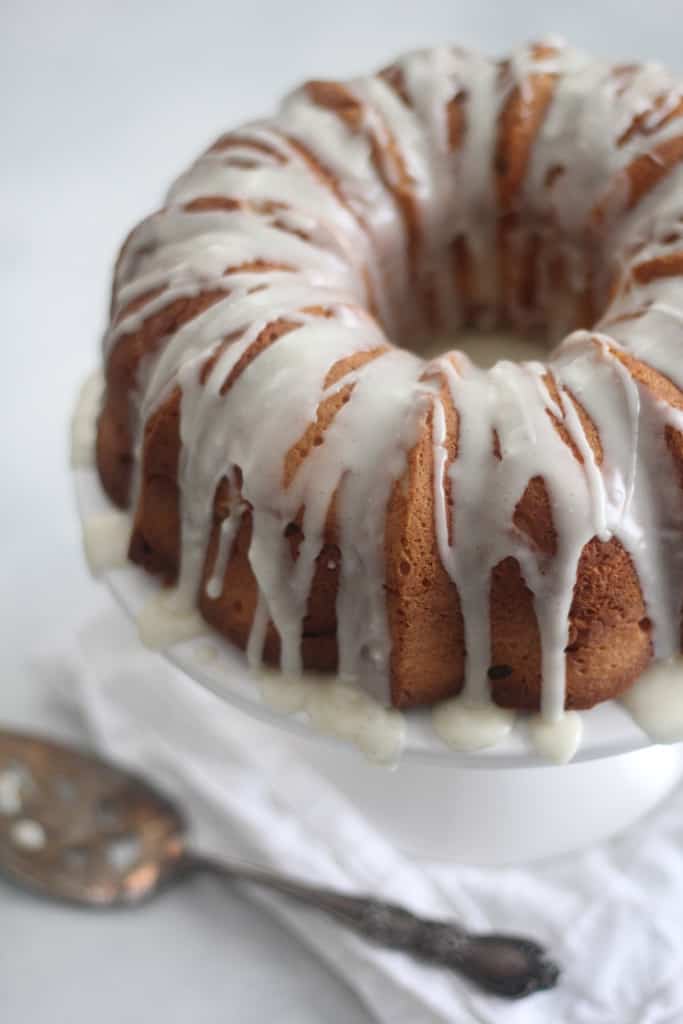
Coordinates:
[78,829]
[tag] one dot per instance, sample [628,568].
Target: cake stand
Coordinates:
[502,805]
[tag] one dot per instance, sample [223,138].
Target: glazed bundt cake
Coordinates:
[330,500]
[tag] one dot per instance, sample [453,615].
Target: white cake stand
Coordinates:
[503,805]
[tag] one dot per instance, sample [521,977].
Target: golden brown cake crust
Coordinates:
[609,638]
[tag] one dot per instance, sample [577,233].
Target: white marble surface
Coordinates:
[100,103]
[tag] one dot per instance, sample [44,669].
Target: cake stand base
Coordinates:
[435,812]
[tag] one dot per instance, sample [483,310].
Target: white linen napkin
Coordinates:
[612,916]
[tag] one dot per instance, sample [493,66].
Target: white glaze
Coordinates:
[336,709]
[207,653]
[556,740]
[656,701]
[465,726]
[106,538]
[163,622]
[284,694]
[356,248]
[84,420]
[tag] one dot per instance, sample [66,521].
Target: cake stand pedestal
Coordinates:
[499,806]
[434,811]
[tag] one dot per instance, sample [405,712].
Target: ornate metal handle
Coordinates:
[505,965]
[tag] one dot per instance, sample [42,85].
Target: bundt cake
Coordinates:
[327,498]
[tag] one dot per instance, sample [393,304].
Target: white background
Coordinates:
[100,105]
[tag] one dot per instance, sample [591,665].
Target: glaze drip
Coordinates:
[253,313]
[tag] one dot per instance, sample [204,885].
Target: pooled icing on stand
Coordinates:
[335,709]
[465,726]
[84,420]
[656,701]
[556,740]
[106,538]
[164,622]
[352,246]
[106,535]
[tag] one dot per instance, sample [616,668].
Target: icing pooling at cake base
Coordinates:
[656,701]
[335,709]
[464,726]
[448,189]
[84,420]
[106,538]
[165,621]
[556,740]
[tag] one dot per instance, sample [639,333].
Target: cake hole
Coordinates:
[404,567]
[499,671]
[487,347]
[318,440]
[645,624]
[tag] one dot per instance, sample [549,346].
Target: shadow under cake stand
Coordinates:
[502,805]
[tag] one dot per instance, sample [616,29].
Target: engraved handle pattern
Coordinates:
[505,965]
